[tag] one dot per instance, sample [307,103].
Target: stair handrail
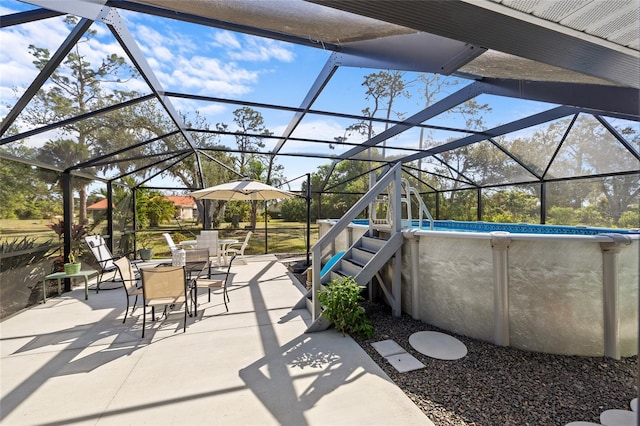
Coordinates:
[340,225]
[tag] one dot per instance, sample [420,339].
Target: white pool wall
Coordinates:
[554,291]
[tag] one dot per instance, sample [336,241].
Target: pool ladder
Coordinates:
[382,211]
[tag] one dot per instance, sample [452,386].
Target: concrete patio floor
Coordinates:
[72,361]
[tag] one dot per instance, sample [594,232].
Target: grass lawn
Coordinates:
[34,228]
[282,237]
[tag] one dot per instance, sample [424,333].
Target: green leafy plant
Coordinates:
[341,303]
[77,233]
[144,239]
[30,252]
[179,237]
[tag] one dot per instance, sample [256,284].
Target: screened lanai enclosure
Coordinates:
[496,111]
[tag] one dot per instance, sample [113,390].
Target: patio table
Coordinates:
[187,244]
[60,275]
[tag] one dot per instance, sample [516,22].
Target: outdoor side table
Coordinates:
[60,275]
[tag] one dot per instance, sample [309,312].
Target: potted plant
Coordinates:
[144,239]
[77,233]
[73,266]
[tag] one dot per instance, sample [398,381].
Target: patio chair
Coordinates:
[163,286]
[172,245]
[197,262]
[238,248]
[104,258]
[209,239]
[131,282]
[210,284]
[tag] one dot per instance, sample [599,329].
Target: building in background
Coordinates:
[186,207]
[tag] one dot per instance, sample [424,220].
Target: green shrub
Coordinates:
[294,210]
[341,303]
[630,219]
[30,252]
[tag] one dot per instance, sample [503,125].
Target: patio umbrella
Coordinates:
[245,189]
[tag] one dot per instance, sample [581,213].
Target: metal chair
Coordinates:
[104,258]
[131,282]
[164,286]
[210,284]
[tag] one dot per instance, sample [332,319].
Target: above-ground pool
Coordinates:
[555,289]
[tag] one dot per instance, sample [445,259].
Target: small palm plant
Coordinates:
[341,302]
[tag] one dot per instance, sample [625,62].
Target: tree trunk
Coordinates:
[254,215]
[82,214]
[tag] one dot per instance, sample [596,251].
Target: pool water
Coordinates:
[514,228]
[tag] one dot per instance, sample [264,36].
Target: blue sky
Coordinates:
[207,61]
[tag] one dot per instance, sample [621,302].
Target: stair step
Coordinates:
[355,261]
[372,243]
[360,255]
[338,274]
[350,268]
[367,249]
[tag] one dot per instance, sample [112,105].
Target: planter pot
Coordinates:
[146,254]
[72,268]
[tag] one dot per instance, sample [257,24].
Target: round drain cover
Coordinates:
[583,424]
[437,345]
[618,418]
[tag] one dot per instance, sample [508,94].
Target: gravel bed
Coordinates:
[501,386]
[494,385]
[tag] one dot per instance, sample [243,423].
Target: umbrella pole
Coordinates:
[266,248]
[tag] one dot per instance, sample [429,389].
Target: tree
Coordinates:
[347,183]
[152,208]
[384,88]
[433,86]
[76,88]
[249,138]
[23,189]
[215,163]
[459,165]
[294,210]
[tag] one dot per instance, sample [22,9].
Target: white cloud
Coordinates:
[17,69]
[262,50]
[211,77]
[251,48]
[227,40]
[208,110]
[316,130]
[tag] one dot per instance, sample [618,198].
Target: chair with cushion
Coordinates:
[131,282]
[237,249]
[163,286]
[214,284]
